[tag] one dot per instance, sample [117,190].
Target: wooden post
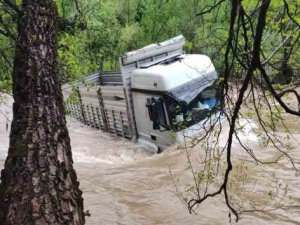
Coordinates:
[102,109]
[88,115]
[114,121]
[99,118]
[81,106]
[94,117]
[121,123]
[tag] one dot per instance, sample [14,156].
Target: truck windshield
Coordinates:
[184,115]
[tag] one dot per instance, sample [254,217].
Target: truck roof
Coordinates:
[171,75]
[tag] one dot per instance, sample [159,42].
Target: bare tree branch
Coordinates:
[210,8]
[288,38]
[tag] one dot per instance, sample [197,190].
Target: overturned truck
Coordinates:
[160,96]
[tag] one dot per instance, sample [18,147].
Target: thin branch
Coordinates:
[275,94]
[286,5]
[279,47]
[210,8]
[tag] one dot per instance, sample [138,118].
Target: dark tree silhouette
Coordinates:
[38,183]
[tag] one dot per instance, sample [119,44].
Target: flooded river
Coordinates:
[124,185]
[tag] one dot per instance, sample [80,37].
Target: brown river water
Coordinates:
[124,185]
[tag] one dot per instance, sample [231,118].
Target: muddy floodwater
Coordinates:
[125,185]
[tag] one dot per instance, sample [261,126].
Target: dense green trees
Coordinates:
[114,27]
[100,31]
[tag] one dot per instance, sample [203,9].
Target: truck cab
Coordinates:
[170,97]
[161,97]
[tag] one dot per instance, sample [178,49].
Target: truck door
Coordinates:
[158,114]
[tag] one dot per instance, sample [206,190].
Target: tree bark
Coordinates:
[38,184]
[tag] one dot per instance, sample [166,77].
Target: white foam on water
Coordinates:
[124,156]
[115,155]
[247,130]
[82,155]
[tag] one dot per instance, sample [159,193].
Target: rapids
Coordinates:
[124,185]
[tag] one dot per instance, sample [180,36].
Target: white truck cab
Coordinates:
[160,96]
[169,94]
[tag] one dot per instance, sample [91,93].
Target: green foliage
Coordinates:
[72,60]
[7,36]
[114,27]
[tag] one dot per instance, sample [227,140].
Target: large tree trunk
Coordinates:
[39,185]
